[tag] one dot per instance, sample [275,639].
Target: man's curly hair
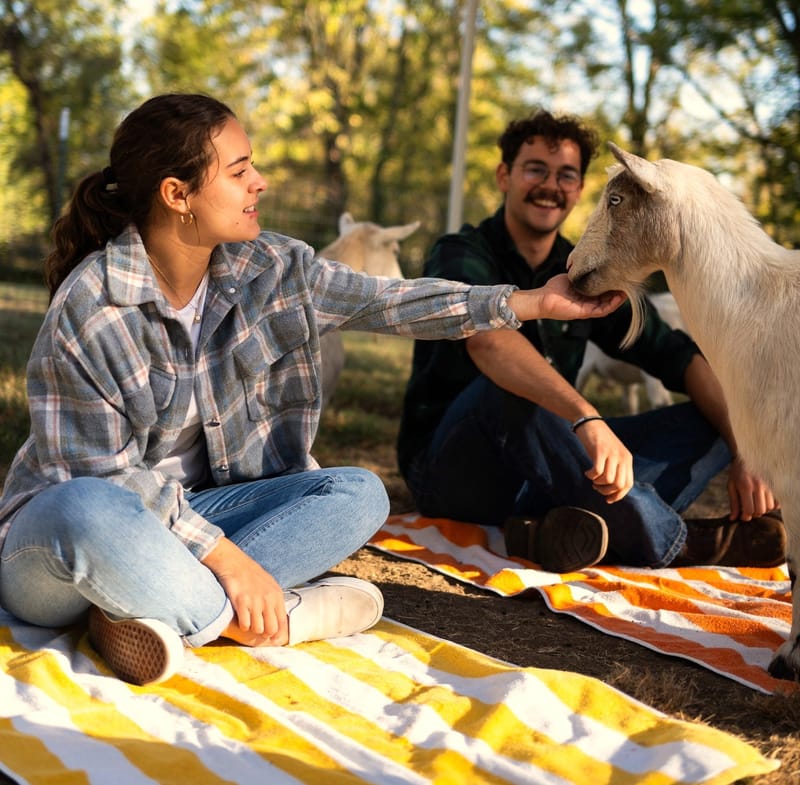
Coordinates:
[553,129]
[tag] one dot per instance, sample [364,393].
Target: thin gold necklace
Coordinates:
[195,297]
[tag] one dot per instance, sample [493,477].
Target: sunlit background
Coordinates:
[351,104]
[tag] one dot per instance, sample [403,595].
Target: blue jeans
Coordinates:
[494,455]
[89,542]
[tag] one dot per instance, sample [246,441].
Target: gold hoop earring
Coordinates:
[187,218]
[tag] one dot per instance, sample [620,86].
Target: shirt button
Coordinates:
[232,290]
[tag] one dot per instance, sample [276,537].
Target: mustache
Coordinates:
[546,194]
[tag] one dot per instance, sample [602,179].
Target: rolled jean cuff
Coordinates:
[211,631]
[672,553]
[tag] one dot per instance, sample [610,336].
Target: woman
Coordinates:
[167,485]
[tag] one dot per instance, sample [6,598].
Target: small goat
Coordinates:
[739,294]
[368,248]
[631,377]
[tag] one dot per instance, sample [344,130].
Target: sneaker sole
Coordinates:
[138,651]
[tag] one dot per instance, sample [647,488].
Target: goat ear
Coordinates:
[345,223]
[644,172]
[401,232]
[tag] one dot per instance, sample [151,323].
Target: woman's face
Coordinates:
[225,207]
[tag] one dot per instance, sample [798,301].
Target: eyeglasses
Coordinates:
[566,179]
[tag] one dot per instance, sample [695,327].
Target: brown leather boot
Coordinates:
[760,542]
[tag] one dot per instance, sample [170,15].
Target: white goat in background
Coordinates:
[631,377]
[367,248]
[739,293]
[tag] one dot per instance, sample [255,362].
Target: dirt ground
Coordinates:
[525,632]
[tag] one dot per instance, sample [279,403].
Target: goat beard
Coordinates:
[635,294]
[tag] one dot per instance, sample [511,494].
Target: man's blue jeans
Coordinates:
[495,455]
[89,542]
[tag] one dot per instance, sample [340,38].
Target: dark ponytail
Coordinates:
[168,136]
[93,216]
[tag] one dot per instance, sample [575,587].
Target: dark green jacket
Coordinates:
[486,255]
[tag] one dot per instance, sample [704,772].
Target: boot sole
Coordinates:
[570,539]
[567,539]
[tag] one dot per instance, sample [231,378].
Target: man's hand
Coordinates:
[558,300]
[612,463]
[749,495]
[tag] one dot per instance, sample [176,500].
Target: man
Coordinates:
[494,432]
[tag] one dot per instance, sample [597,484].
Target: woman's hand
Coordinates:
[558,300]
[255,595]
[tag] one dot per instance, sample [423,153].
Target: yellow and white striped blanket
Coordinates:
[386,707]
[728,620]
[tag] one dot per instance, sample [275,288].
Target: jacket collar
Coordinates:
[130,280]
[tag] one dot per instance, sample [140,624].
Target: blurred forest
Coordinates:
[351,104]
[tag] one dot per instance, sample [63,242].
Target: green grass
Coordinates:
[23,298]
[365,411]
[21,310]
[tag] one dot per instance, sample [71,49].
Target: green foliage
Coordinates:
[752,49]
[66,55]
[23,202]
[351,103]
[207,46]
[712,83]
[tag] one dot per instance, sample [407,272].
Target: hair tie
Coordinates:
[110,179]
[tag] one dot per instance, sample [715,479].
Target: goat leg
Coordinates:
[786,662]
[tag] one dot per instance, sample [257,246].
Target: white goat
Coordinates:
[368,248]
[739,293]
[631,377]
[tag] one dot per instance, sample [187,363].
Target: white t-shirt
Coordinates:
[188,460]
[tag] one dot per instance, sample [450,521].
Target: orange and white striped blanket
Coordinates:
[726,619]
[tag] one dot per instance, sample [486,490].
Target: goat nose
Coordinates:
[582,282]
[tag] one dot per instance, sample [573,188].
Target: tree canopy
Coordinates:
[351,103]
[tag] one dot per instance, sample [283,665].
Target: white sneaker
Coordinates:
[139,651]
[332,607]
